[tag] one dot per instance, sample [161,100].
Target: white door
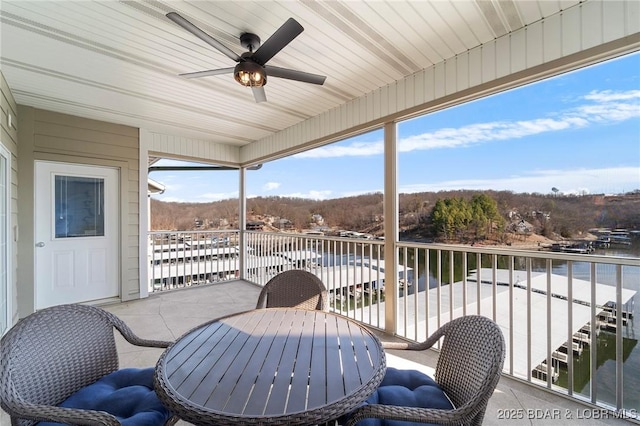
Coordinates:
[77,233]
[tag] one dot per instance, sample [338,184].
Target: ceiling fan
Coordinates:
[251,69]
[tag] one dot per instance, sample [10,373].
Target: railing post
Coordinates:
[593,342]
[619,348]
[390,226]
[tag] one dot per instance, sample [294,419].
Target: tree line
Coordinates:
[444,214]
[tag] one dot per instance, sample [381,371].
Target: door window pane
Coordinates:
[79,206]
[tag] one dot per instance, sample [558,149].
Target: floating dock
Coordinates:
[528,350]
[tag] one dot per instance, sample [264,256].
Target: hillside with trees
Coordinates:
[442,216]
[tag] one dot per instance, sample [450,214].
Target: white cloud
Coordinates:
[356,149]
[198,198]
[270,186]
[312,194]
[216,196]
[170,186]
[609,95]
[362,192]
[602,107]
[576,181]
[171,199]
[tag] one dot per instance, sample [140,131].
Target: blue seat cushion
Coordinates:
[128,394]
[407,388]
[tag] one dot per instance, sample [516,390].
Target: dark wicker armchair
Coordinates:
[54,353]
[468,370]
[294,288]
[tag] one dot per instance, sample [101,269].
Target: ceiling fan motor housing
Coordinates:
[250,41]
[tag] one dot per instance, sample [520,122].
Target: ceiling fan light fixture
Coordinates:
[250,74]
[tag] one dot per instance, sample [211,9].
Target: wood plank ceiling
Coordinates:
[118,61]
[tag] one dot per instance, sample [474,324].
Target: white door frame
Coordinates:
[7,293]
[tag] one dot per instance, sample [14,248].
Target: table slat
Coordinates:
[350,372]
[335,382]
[362,345]
[241,363]
[319,373]
[301,369]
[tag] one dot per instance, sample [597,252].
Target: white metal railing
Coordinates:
[568,319]
[353,270]
[186,258]
[558,311]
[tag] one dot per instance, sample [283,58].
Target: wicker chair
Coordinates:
[468,369]
[294,288]
[55,352]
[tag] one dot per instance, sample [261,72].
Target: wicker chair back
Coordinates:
[294,288]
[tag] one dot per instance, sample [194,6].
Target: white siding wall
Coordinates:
[46,135]
[189,149]
[556,44]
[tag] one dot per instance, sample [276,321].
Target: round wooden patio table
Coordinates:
[270,366]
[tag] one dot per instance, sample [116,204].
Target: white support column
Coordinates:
[242,221]
[390,226]
[144,212]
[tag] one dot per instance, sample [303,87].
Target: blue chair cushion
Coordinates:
[128,394]
[407,388]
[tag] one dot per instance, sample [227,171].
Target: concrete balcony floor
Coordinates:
[168,315]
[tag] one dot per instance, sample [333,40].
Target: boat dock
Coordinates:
[179,274]
[302,258]
[353,278]
[187,254]
[357,279]
[605,294]
[517,314]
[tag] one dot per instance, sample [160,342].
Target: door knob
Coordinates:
[40,244]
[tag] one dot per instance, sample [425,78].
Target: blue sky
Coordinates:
[579,132]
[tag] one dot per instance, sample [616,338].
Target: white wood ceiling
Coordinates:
[118,61]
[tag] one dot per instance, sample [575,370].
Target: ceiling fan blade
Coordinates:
[203,36]
[199,74]
[259,94]
[294,75]
[278,40]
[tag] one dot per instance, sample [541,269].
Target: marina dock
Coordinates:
[352,278]
[524,313]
